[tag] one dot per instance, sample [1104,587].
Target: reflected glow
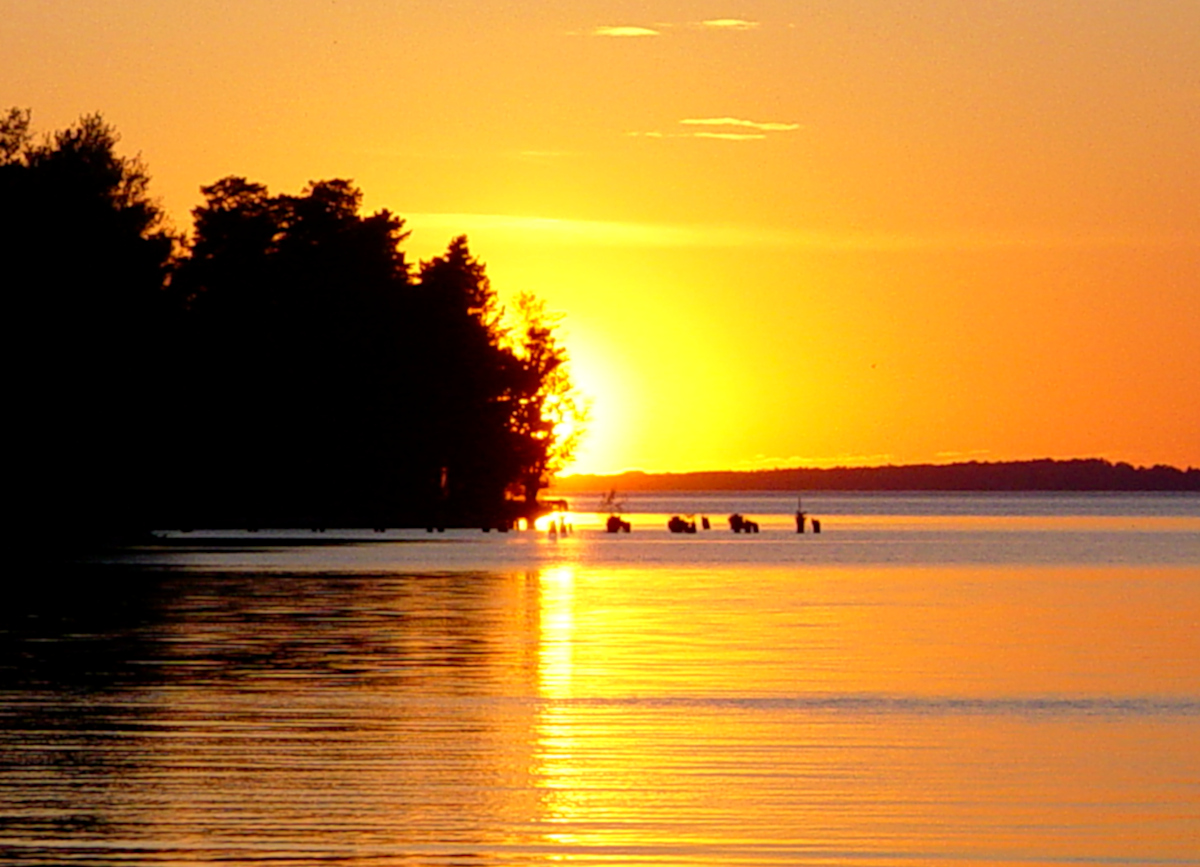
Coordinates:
[556,632]
[803,673]
[595,712]
[557,522]
[555,770]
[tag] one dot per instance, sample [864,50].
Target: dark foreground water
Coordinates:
[955,679]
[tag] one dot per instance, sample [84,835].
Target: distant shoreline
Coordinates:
[1080,475]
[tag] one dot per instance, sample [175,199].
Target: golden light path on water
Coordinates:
[557,771]
[989,636]
[958,756]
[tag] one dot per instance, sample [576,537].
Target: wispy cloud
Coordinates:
[716,127]
[624,31]
[736,121]
[637,30]
[729,24]
[729,136]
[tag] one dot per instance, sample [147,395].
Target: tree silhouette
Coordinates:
[86,256]
[464,376]
[368,393]
[548,418]
[285,366]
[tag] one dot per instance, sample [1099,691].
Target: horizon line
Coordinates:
[832,467]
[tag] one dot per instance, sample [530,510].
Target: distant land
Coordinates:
[1091,474]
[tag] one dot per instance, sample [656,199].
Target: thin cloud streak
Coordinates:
[624,31]
[758,129]
[729,136]
[736,121]
[637,30]
[729,24]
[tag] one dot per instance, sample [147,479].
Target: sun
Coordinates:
[610,394]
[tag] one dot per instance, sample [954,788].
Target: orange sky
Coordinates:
[782,233]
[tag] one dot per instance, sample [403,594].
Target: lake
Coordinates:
[999,679]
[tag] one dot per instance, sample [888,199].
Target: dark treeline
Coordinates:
[285,365]
[1039,475]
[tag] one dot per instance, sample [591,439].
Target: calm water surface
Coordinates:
[933,679]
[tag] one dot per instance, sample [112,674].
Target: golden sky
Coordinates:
[781,233]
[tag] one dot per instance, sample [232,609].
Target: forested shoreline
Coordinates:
[284,364]
[1091,474]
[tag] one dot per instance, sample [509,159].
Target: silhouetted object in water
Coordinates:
[615,524]
[816,525]
[679,525]
[800,519]
[742,525]
[704,523]
[611,503]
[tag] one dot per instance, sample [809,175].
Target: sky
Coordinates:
[839,232]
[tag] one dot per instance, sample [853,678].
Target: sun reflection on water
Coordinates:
[556,768]
[557,631]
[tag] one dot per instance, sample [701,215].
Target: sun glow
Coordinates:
[609,394]
[871,265]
